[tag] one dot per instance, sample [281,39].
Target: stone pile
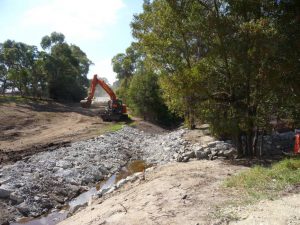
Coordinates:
[210,151]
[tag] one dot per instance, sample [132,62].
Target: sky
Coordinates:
[101,28]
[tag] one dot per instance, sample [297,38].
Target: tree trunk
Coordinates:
[239,144]
[4,87]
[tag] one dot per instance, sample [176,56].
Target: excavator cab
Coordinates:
[115,110]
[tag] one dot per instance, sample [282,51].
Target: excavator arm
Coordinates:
[87,102]
[115,109]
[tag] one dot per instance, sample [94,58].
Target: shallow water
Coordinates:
[55,217]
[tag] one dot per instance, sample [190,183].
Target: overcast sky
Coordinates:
[99,27]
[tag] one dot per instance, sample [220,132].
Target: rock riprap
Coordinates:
[46,180]
[211,151]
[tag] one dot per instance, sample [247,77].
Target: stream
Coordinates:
[57,216]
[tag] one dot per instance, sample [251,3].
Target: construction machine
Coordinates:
[115,109]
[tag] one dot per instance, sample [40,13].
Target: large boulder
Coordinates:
[201,154]
[5,191]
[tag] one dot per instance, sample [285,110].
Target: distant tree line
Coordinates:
[59,71]
[232,64]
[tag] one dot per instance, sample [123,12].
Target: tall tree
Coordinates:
[221,61]
[67,67]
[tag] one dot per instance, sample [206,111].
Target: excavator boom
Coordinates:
[87,103]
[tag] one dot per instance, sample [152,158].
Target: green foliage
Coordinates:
[228,63]
[59,73]
[138,86]
[144,98]
[267,182]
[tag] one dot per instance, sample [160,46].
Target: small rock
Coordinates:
[179,159]
[207,150]
[58,199]
[24,208]
[221,153]
[76,209]
[111,189]
[63,164]
[229,153]
[198,148]
[222,157]
[175,156]
[189,154]
[214,152]
[185,159]
[121,183]
[16,197]
[213,144]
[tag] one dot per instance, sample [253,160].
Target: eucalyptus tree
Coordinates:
[66,66]
[221,61]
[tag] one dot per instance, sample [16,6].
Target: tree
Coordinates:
[67,67]
[145,98]
[223,61]
[17,60]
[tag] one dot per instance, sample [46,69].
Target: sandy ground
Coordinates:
[187,193]
[278,212]
[30,127]
[177,193]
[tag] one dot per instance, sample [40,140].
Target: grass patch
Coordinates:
[260,182]
[113,127]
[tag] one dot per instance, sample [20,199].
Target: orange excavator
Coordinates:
[115,109]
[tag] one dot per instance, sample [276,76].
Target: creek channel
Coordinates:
[57,216]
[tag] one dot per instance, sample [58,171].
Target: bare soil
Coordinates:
[274,212]
[26,128]
[177,193]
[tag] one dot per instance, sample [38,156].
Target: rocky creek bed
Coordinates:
[48,180]
[36,184]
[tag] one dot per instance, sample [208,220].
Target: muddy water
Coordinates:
[55,217]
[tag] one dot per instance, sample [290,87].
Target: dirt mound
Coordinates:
[28,126]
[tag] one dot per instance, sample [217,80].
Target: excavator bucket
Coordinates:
[85,103]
